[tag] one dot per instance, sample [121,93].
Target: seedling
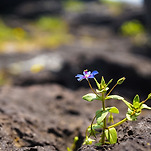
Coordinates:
[102,93]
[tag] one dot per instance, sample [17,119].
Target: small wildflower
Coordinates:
[86,75]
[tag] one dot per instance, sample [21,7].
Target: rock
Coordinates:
[30,8]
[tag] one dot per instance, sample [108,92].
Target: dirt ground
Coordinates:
[48,117]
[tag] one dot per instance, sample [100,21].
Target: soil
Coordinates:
[48,117]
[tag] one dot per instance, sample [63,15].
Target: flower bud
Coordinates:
[149,96]
[121,80]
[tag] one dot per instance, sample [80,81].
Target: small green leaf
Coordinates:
[88,141]
[95,127]
[144,106]
[132,115]
[111,135]
[121,80]
[129,117]
[110,118]
[97,83]
[93,131]
[128,104]
[114,110]
[102,90]
[109,82]
[136,99]
[115,97]
[91,96]
[103,84]
[100,115]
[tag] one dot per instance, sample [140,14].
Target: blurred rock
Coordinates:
[30,8]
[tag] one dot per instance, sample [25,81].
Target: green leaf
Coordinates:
[121,80]
[100,115]
[144,106]
[109,82]
[128,104]
[136,99]
[103,84]
[88,141]
[111,135]
[97,83]
[91,96]
[110,118]
[102,90]
[114,110]
[94,127]
[131,115]
[115,97]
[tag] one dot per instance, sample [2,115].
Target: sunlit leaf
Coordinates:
[91,96]
[114,110]
[111,135]
[97,83]
[115,97]
[128,104]
[144,106]
[109,82]
[100,115]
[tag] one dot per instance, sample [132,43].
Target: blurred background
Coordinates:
[50,41]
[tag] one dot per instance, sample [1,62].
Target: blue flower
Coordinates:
[86,75]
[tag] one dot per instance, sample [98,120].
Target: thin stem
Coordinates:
[104,121]
[119,123]
[111,90]
[144,101]
[86,132]
[92,88]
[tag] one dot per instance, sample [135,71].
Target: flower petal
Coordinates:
[79,75]
[81,78]
[91,76]
[95,72]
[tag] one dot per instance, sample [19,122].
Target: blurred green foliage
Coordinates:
[135,30]
[8,33]
[45,32]
[132,28]
[73,5]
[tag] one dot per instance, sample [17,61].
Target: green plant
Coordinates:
[76,138]
[108,133]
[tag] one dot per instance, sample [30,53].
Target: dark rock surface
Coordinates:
[30,8]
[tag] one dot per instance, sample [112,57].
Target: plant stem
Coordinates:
[92,88]
[92,124]
[104,121]
[119,123]
[144,101]
[111,89]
